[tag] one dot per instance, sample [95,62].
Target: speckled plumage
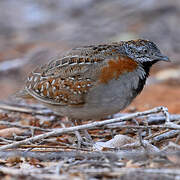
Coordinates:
[94,81]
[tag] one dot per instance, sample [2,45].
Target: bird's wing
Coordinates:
[67,80]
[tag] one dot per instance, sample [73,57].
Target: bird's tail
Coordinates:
[22,94]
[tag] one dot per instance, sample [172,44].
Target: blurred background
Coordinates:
[31,32]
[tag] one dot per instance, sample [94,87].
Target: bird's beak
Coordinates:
[164,58]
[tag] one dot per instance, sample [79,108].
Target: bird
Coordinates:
[94,81]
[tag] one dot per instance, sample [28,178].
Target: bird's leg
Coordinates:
[87,135]
[81,141]
[78,135]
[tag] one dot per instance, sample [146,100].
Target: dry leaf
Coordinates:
[174,158]
[130,164]
[35,162]
[116,142]
[8,132]
[122,141]
[13,160]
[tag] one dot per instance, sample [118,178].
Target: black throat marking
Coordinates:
[146,66]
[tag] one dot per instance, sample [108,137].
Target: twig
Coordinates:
[139,134]
[55,147]
[166,114]
[120,171]
[112,126]
[164,136]
[58,132]
[32,172]
[23,109]
[60,155]
[23,127]
[171,145]
[156,134]
[177,139]
[159,119]
[5,140]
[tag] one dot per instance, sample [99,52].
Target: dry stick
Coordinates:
[29,110]
[55,147]
[108,126]
[18,172]
[166,126]
[23,126]
[153,121]
[139,134]
[166,114]
[172,145]
[166,135]
[156,134]
[58,132]
[32,173]
[38,173]
[119,171]
[158,119]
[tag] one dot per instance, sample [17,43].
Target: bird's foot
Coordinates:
[83,141]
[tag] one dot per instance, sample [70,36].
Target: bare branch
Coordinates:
[58,132]
[23,126]
[24,109]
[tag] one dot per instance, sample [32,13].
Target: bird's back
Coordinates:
[94,81]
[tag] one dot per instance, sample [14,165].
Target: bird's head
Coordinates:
[144,52]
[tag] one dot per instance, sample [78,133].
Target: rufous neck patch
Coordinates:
[117,67]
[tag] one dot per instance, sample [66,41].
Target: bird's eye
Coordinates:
[130,49]
[145,51]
